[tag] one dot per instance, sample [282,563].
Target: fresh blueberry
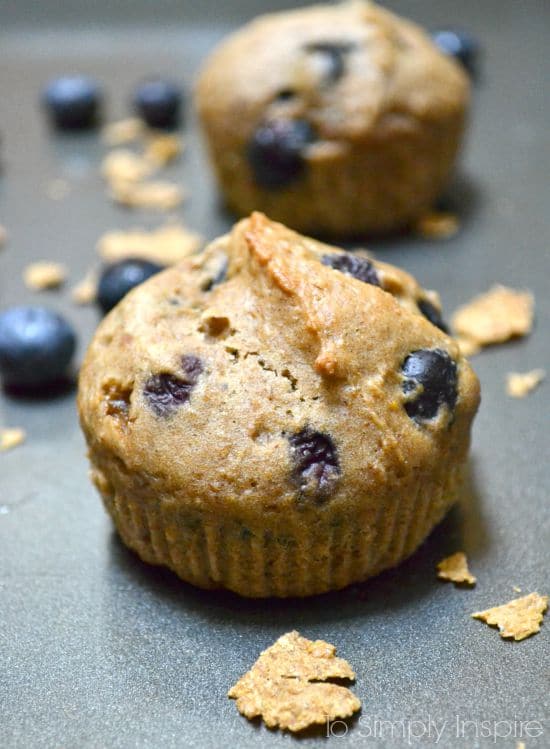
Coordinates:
[275,151]
[36,347]
[166,392]
[353,265]
[158,103]
[119,278]
[460,45]
[430,381]
[316,467]
[432,314]
[73,102]
[334,56]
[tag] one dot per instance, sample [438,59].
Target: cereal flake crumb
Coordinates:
[123,165]
[455,569]
[287,686]
[494,317]
[518,618]
[44,275]
[123,131]
[3,235]
[157,195]
[85,291]
[437,226]
[166,245]
[520,384]
[10,438]
[516,589]
[162,149]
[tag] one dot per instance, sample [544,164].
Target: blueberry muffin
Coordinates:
[276,416]
[334,119]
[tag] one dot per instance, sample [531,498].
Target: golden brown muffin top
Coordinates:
[354,67]
[222,380]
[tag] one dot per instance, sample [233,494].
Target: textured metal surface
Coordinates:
[99,650]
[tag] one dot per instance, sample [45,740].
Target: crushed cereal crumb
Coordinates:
[44,275]
[123,131]
[157,195]
[165,246]
[288,688]
[494,317]
[437,226]
[518,618]
[162,149]
[10,438]
[123,165]
[86,290]
[520,384]
[455,569]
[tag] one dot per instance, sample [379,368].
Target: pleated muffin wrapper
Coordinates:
[308,551]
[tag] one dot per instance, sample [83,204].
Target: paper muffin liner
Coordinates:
[297,555]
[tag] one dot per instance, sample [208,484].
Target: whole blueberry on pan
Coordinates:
[276,151]
[460,45]
[36,347]
[430,381]
[158,103]
[72,102]
[118,279]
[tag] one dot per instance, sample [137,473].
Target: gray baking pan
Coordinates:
[99,650]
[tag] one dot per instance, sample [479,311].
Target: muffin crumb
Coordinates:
[123,131]
[44,275]
[520,384]
[437,226]
[156,195]
[289,685]
[166,245]
[86,290]
[11,437]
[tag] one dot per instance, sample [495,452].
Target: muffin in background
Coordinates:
[334,119]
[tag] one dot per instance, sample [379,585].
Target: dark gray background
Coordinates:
[99,650]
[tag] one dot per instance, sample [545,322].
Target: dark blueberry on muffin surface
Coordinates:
[316,466]
[333,55]
[276,152]
[165,392]
[432,314]
[461,45]
[430,381]
[360,268]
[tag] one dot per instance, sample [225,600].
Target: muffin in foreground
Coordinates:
[334,119]
[276,416]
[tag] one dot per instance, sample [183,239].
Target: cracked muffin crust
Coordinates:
[334,119]
[276,416]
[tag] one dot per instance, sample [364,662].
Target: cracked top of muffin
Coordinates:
[352,67]
[272,369]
